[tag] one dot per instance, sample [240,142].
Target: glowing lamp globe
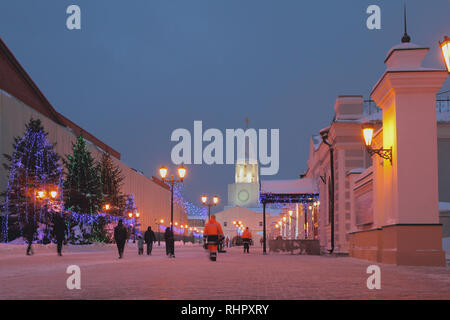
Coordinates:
[53,194]
[182,172]
[290,212]
[107,206]
[284,219]
[130,214]
[204,199]
[163,172]
[445,48]
[367,131]
[161,221]
[215,200]
[41,194]
[137,214]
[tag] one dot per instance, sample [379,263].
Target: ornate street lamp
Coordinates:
[445,48]
[214,202]
[163,172]
[367,131]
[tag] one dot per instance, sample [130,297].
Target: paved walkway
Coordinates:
[192,276]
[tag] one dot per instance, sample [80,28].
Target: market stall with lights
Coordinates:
[304,191]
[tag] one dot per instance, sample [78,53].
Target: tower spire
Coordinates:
[406,38]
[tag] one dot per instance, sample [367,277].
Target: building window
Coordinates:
[224,223]
[260,224]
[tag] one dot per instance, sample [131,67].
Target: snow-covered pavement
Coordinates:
[192,276]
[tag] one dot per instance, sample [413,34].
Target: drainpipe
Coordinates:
[324,135]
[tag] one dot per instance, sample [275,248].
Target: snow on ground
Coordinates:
[192,276]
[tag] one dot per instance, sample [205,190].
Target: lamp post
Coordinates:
[214,202]
[163,171]
[134,225]
[159,232]
[324,135]
[445,48]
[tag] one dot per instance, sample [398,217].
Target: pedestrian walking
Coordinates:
[140,245]
[28,231]
[120,236]
[246,238]
[170,245]
[149,237]
[261,241]
[59,231]
[212,232]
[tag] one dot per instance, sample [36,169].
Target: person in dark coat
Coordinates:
[120,236]
[29,230]
[149,238]
[170,245]
[59,228]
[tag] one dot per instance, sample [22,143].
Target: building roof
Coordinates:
[295,186]
[15,81]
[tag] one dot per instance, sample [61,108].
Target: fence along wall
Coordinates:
[152,200]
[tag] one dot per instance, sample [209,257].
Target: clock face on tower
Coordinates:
[243,195]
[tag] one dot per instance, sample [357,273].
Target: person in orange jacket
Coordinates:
[246,238]
[213,232]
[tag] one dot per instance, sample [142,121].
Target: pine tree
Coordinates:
[82,186]
[35,174]
[111,183]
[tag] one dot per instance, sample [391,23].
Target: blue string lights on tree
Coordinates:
[193,211]
[34,184]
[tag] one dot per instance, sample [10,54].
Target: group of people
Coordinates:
[121,236]
[213,237]
[59,233]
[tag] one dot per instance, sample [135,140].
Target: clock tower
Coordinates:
[244,192]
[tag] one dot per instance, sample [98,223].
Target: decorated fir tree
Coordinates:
[130,211]
[82,186]
[111,183]
[35,174]
[130,207]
